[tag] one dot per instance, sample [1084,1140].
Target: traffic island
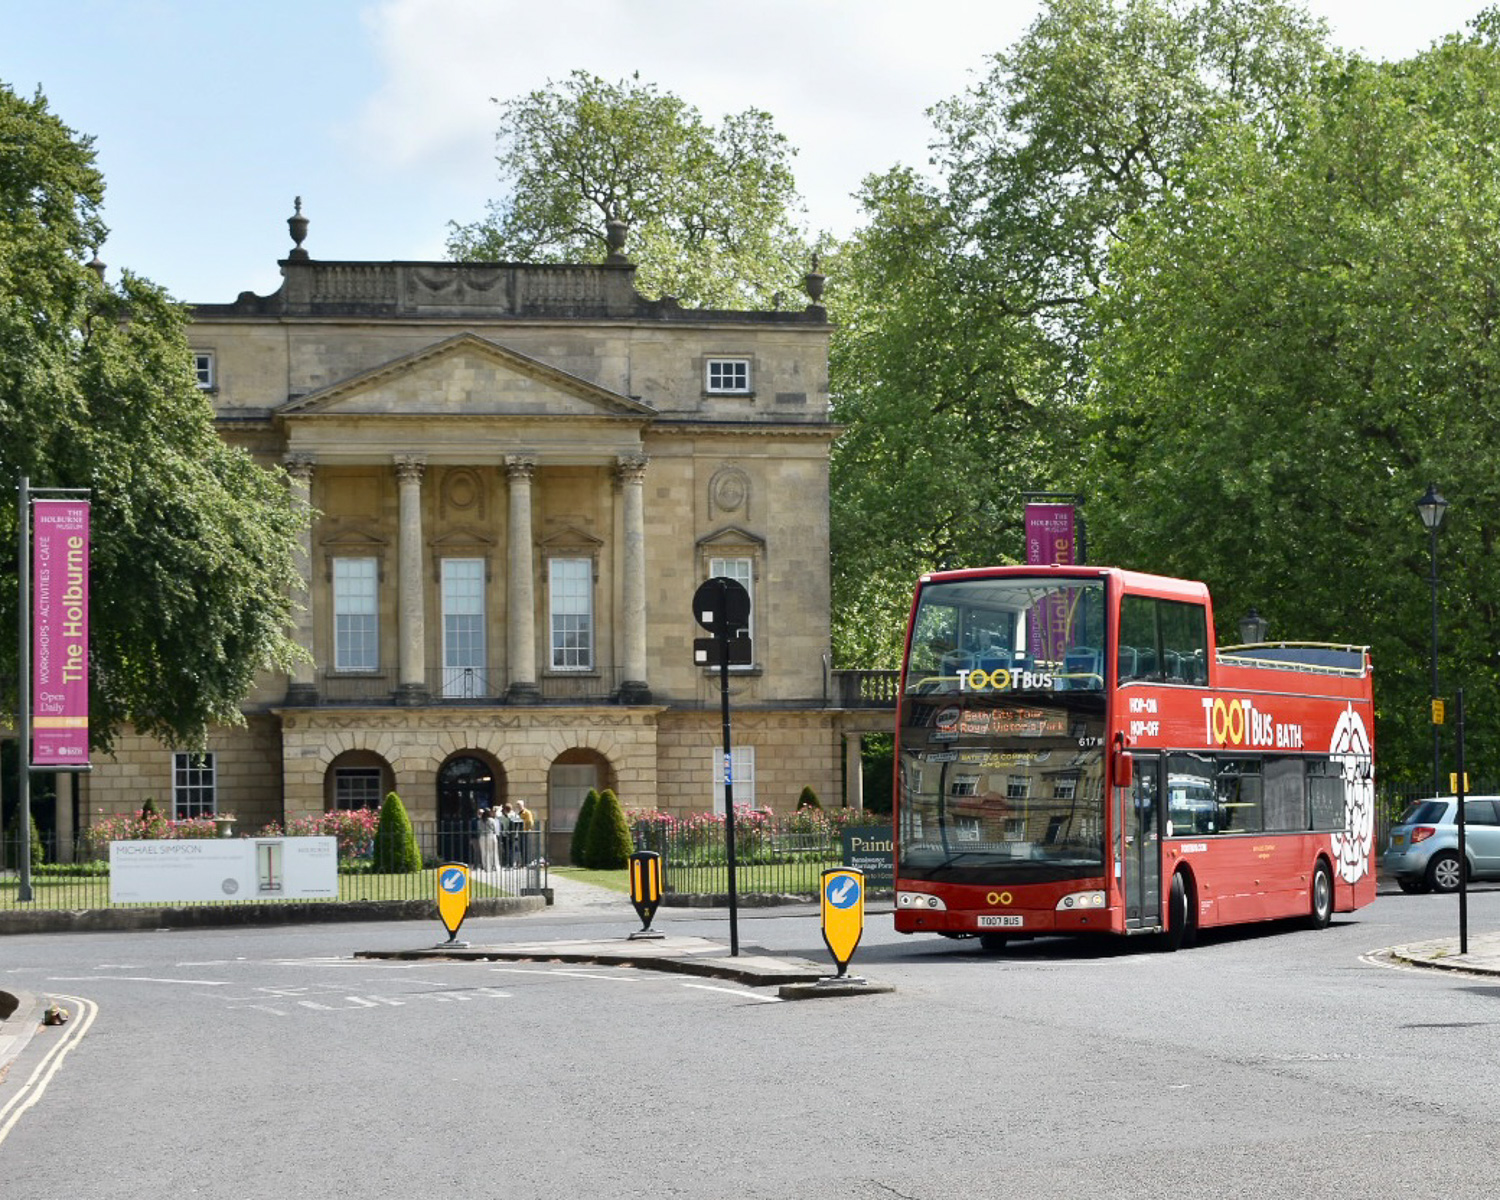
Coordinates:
[682,955]
[837,985]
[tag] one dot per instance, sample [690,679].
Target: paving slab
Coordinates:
[1442,954]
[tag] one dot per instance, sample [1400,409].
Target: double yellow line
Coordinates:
[31,1091]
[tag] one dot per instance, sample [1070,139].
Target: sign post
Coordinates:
[1461,778]
[722,606]
[843,906]
[453,900]
[645,890]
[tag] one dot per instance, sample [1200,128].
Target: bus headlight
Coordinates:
[1076,900]
[919,900]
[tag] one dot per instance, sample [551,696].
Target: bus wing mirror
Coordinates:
[1123,769]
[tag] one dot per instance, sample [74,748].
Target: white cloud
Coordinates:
[848,83]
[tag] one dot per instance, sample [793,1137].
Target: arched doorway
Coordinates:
[573,774]
[466,783]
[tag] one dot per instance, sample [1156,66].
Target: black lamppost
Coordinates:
[1431,507]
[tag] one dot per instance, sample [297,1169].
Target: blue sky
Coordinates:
[209,116]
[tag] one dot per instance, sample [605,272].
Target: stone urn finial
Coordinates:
[814,282]
[297,225]
[614,235]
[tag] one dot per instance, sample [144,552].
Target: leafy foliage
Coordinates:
[965,308]
[192,569]
[609,845]
[396,850]
[1297,340]
[709,207]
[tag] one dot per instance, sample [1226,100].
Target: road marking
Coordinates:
[743,995]
[47,1068]
[566,974]
[135,979]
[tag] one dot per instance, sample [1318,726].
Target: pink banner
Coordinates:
[60,633]
[1050,538]
[1050,534]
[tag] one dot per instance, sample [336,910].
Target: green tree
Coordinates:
[809,799]
[578,846]
[609,842]
[192,571]
[396,851]
[710,208]
[965,307]
[1298,340]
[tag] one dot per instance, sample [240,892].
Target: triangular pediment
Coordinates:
[731,537]
[466,375]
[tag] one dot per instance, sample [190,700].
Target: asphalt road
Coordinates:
[1278,1062]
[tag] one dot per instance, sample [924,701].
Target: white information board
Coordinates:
[198,869]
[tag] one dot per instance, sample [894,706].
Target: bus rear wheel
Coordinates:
[1322,897]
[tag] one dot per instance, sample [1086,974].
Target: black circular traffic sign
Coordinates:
[722,605]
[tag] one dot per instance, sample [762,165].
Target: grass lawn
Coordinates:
[615,881]
[791,878]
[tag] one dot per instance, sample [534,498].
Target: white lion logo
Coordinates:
[1350,748]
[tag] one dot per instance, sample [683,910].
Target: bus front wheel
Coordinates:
[1179,930]
[993,942]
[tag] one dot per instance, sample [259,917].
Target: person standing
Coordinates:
[524,834]
[507,849]
[490,844]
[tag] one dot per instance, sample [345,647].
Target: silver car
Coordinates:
[1422,854]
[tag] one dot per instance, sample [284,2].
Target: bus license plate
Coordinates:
[1007,921]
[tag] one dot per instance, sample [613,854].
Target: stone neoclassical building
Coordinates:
[519,475]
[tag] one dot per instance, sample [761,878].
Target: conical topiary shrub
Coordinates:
[396,851]
[578,847]
[809,799]
[609,843]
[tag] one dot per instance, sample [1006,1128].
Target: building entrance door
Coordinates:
[465,785]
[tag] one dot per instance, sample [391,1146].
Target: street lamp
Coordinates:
[1431,508]
[1252,627]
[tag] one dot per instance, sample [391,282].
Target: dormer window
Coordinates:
[728,376]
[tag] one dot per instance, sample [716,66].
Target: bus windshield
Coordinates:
[1008,634]
[1002,732]
[1003,792]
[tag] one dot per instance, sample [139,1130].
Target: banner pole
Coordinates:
[23,687]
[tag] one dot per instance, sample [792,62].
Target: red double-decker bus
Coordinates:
[1076,755]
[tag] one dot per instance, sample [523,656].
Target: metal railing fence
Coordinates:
[83,882]
[773,856]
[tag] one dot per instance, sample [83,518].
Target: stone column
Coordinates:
[302,687]
[854,778]
[631,475]
[411,679]
[520,585]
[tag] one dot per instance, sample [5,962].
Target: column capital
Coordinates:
[631,468]
[520,467]
[409,467]
[299,466]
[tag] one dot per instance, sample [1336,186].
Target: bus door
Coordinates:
[1141,856]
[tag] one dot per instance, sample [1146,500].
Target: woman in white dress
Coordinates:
[489,834]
